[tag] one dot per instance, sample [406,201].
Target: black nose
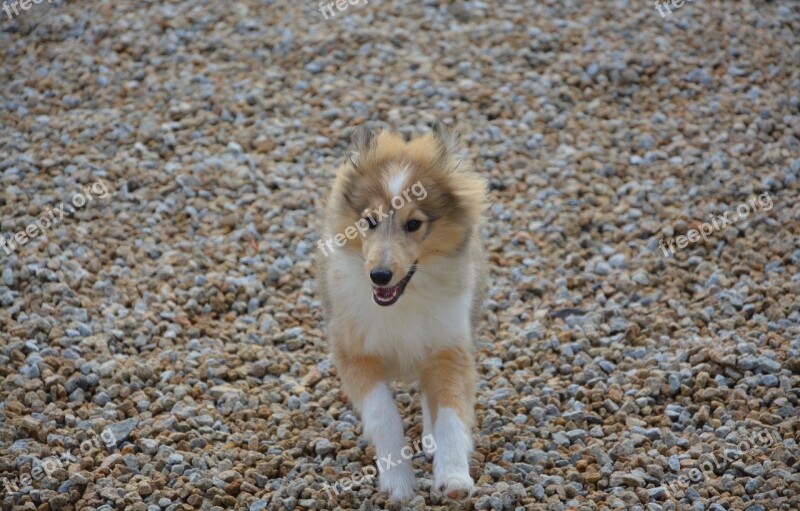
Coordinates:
[380,276]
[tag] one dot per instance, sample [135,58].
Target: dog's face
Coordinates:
[402,204]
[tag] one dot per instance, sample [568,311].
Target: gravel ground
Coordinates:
[164,341]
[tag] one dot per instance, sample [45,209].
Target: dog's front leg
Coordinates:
[448,384]
[428,442]
[363,378]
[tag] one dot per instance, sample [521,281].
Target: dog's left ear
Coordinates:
[448,141]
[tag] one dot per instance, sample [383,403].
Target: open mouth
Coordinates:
[388,295]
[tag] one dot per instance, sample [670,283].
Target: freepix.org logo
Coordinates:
[761,203]
[361,227]
[52,217]
[46,467]
[383,464]
[10,7]
[326,8]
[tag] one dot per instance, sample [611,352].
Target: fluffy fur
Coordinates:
[426,335]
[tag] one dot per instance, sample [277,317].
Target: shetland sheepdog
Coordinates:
[402,273]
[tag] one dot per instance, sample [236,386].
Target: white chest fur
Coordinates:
[433,313]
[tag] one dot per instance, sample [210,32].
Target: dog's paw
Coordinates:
[455,486]
[398,483]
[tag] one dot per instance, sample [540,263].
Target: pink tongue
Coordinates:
[386,293]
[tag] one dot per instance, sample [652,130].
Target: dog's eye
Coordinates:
[372,223]
[413,225]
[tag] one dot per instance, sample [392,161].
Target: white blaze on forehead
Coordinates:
[397,178]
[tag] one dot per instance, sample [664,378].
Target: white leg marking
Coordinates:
[451,461]
[384,428]
[427,427]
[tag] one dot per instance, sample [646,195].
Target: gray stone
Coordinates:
[8,276]
[120,431]
[324,447]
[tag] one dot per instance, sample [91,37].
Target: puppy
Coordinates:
[403,274]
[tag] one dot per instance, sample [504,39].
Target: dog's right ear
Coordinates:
[362,139]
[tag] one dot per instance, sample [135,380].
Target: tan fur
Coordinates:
[448,379]
[358,188]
